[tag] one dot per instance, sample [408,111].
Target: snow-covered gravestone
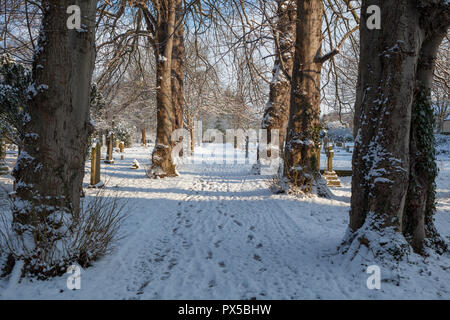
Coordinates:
[4,169]
[121,147]
[135,165]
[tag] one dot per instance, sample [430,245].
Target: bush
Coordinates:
[125,134]
[49,246]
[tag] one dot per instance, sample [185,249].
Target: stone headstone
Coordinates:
[109,156]
[95,164]
[135,164]
[4,169]
[122,149]
[319,147]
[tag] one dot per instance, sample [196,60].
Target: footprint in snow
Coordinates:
[165,276]
[173,263]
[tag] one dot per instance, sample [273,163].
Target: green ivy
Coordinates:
[423,126]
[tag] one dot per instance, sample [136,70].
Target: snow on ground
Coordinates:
[216,232]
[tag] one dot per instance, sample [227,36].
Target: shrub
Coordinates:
[49,246]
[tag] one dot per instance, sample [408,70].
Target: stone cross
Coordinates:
[95,164]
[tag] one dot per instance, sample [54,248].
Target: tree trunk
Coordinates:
[178,68]
[393,161]
[303,132]
[276,113]
[162,162]
[178,71]
[418,221]
[50,168]
[143,137]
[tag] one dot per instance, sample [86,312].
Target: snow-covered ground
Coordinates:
[217,232]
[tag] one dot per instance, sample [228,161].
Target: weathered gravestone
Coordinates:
[95,164]
[4,169]
[109,156]
[122,149]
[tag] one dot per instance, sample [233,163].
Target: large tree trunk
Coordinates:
[50,168]
[418,222]
[303,132]
[393,161]
[162,162]
[276,113]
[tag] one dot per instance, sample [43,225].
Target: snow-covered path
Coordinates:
[217,232]
[219,225]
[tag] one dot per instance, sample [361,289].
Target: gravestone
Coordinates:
[135,165]
[122,149]
[319,148]
[109,156]
[4,169]
[95,164]
[103,147]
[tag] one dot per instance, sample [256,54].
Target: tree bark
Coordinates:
[418,222]
[391,190]
[276,113]
[50,167]
[162,162]
[303,131]
[178,55]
